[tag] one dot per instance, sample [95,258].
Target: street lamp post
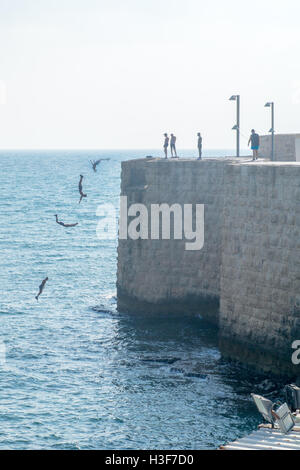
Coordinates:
[237,126]
[272,130]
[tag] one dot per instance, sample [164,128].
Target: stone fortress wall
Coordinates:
[160,275]
[246,279]
[260,269]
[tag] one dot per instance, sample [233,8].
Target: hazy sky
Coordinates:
[119,73]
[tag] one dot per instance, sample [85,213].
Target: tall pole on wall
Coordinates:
[237,126]
[272,130]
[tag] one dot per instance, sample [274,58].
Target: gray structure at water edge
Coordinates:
[286,147]
[160,275]
[246,279]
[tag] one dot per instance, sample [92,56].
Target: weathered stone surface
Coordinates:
[156,275]
[285,148]
[259,311]
[247,276]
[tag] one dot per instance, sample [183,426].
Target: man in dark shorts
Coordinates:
[173,146]
[254,139]
[199,146]
[166,145]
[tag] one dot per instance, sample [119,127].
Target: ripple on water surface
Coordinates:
[79,375]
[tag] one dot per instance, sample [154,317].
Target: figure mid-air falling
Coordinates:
[95,163]
[63,224]
[82,195]
[41,288]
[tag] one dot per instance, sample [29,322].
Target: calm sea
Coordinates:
[75,373]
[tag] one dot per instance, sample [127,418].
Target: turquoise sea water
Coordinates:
[74,372]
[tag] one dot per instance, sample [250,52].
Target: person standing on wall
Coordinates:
[254,139]
[173,146]
[166,145]
[199,146]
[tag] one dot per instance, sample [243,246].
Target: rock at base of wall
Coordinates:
[258,359]
[206,306]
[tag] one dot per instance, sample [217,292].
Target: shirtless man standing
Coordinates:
[199,146]
[41,288]
[166,145]
[173,146]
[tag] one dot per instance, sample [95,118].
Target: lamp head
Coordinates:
[233,98]
[268,105]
